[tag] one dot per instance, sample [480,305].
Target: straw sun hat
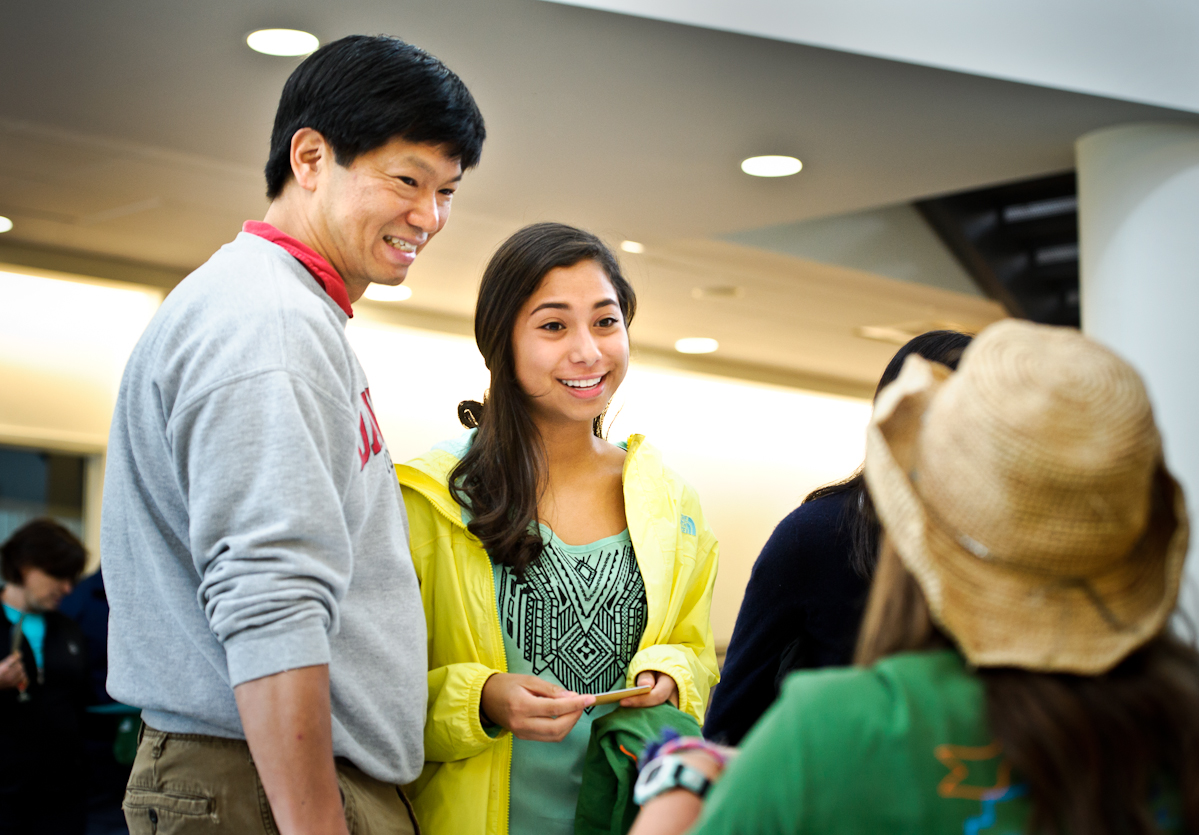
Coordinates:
[1027,495]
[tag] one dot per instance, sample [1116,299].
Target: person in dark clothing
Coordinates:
[43,685]
[807,590]
[107,726]
[87,605]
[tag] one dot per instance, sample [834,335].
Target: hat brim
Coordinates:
[1006,615]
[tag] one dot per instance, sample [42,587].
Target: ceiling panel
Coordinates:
[137,130]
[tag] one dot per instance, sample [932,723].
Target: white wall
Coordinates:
[751,451]
[64,341]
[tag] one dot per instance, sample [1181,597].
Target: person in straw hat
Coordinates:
[1014,670]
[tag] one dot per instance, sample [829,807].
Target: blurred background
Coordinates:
[940,187]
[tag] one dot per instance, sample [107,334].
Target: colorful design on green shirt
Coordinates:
[579,612]
[985,819]
[986,758]
[955,757]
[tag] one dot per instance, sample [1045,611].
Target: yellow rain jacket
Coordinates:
[463,789]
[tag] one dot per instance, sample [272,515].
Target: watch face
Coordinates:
[652,781]
[665,773]
[655,769]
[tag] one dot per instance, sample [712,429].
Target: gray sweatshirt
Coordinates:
[252,521]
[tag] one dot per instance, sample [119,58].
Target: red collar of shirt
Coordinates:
[321,269]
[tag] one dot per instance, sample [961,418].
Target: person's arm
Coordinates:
[287,723]
[263,460]
[532,708]
[771,616]
[470,692]
[670,813]
[688,652]
[12,672]
[664,689]
[458,669]
[674,812]
[770,786]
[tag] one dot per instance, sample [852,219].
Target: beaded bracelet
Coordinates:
[695,743]
[671,742]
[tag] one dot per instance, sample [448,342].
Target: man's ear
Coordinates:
[310,153]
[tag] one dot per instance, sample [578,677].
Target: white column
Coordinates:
[93,498]
[1138,215]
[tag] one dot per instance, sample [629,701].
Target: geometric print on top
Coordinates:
[578,615]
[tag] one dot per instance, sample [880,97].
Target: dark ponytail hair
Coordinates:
[501,477]
[944,347]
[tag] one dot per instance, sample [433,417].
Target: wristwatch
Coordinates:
[665,773]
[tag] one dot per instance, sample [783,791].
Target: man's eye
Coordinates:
[448,192]
[408,181]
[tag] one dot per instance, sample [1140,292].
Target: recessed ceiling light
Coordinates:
[771,166]
[696,345]
[387,293]
[5,224]
[633,247]
[282,42]
[718,291]
[902,332]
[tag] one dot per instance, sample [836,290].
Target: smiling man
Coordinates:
[265,613]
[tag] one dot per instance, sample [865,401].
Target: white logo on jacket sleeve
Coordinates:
[372,436]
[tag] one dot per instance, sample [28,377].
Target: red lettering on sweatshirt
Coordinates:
[377,444]
[372,442]
[364,454]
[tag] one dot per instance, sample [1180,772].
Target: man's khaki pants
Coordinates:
[191,783]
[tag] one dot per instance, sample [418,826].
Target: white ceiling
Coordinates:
[893,241]
[1138,50]
[136,130]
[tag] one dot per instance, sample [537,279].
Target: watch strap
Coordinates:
[669,772]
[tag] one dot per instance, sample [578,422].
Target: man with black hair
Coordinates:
[265,614]
[43,684]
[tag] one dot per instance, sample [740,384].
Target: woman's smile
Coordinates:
[585,387]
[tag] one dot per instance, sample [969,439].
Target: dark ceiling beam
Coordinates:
[945,223]
[1018,241]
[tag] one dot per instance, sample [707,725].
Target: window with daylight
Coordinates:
[36,483]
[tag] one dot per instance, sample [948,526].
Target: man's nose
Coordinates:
[425,215]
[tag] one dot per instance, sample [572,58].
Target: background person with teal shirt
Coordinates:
[1015,669]
[43,685]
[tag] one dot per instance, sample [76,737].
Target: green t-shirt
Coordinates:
[575,619]
[902,747]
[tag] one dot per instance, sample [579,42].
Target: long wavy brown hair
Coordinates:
[501,478]
[1094,750]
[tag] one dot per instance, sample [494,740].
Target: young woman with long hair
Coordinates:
[1015,673]
[554,565]
[807,591]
